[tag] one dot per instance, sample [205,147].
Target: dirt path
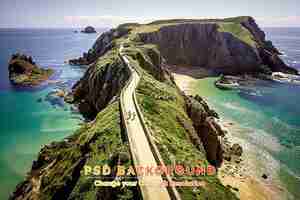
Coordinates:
[151,186]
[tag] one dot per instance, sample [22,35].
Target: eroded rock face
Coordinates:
[23,71]
[202,44]
[207,129]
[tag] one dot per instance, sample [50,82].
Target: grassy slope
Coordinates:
[162,105]
[108,143]
[238,31]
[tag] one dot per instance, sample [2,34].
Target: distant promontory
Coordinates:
[89,29]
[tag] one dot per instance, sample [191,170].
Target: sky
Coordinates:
[109,13]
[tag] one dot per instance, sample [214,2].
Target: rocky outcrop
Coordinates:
[23,71]
[232,153]
[101,83]
[89,29]
[102,45]
[205,45]
[208,130]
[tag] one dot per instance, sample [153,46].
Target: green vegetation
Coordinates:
[107,145]
[237,30]
[97,143]
[163,106]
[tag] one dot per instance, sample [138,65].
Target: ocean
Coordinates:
[29,118]
[268,115]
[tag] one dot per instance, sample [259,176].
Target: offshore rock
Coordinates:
[89,29]
[23,71]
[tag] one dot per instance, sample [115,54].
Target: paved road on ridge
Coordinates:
[151,186]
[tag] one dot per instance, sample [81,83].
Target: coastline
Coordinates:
[244,178]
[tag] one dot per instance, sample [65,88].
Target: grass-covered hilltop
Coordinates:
[183,127]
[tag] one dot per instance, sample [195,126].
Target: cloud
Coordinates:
[284,21]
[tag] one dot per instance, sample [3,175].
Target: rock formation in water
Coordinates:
[23,71]
[89,29]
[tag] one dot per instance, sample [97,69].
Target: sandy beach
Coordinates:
[244,178]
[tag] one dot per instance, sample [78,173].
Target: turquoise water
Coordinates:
[268,112]
[27,120]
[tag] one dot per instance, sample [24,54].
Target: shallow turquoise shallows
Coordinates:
[267,112]
[27,120]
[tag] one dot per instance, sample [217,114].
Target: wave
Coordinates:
[283,125]
[57,130]
[259,160]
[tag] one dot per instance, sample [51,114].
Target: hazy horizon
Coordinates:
[99,13]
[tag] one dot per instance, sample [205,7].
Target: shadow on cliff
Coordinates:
[241,58]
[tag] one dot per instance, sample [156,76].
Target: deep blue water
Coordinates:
[25,123]
[288,42]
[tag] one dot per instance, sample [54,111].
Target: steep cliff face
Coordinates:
[102,82]
[208,131]
[223,46]
[202,45]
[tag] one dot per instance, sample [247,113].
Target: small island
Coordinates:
[89,29]
[24,71]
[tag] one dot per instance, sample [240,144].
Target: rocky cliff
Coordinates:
[102,82]
[208,130]
[230,46]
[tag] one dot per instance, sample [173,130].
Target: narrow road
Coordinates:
[150,185]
